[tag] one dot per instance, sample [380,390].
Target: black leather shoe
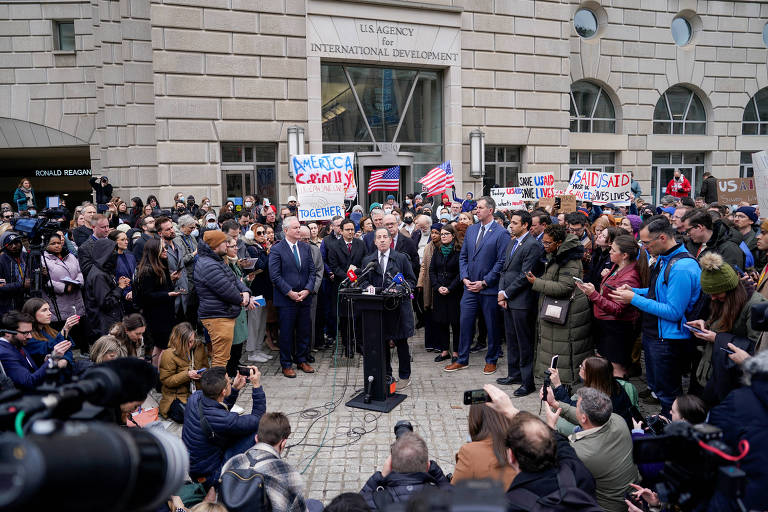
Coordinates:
[508,381]
[477,347]
[441,357]
[523,391]
[310,358]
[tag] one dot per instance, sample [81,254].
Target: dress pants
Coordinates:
[472,304]
[403,359]
[295,331]
[519,327]
[257,328]
[221,331]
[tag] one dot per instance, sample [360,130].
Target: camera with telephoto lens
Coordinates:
[401,427]
[694,465]
[57,438]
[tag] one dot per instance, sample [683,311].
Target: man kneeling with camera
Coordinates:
[213,434]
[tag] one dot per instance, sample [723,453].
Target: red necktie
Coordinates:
[349,248]
[392,244]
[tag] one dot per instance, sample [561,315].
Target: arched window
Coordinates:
[755,120]
[679,112]
[591,109]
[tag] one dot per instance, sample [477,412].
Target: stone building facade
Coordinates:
[198,95]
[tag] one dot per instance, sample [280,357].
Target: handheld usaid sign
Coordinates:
[535,185]
[600,187]
[508,198]
[322,183]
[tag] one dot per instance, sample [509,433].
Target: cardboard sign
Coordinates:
[760,167]
[322,181]
[533,186]
[545,202]
[508,198]
[736,190]
[600,187]
[567,203]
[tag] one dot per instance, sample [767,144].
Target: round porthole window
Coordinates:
[681,31]
[765,34]
[585,23]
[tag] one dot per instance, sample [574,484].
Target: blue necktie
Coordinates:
[514,248]
[296,256]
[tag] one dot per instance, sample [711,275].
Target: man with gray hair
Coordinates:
[186,240]
[406,472]
[377,217]
[100,229]
[604,445]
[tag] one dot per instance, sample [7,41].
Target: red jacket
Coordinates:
[606,309]
[679,188]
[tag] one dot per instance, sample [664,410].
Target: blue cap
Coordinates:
[390,196]
[668,210]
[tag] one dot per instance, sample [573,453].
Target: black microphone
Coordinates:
[367,397]
[367,270]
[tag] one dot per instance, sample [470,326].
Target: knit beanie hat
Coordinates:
[749,212]
[716,275]
[214,238]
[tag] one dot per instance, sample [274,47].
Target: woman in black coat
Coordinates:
[156,295]
[447,290]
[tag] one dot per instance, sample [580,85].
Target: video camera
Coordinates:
[696,463]
[42,227]
[52,458]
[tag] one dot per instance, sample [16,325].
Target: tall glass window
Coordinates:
[603,161]
[502,165]
[755,120]
[679,112]
[249,169]
[365,105]
[591,109]
[745,167]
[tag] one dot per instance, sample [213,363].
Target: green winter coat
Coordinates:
[571,341]
[241,322]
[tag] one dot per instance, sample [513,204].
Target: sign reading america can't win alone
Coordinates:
[322,180]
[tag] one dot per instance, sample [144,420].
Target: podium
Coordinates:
[374,313]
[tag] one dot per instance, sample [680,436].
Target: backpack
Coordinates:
[699,308]
[567,498]
[244,490]
[749,260]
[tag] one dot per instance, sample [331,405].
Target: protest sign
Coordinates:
[508,198]
[533,186]
[545,202]
[760,166]
[322,180]
[600,187]
[736,190]
[567,203]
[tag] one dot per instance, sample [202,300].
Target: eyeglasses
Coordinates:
[24,333]
[646,242]
[446,234]
[547,244]
[231,246]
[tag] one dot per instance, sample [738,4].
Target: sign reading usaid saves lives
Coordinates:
[600,187]
[321,183]
[535,185]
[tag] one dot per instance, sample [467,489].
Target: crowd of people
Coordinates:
[576,298]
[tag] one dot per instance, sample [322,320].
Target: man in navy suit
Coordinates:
[403,244]
[377,217]
[480,262]
[398,329]
[292,272]
[16,363]
[518,301]
[345,255]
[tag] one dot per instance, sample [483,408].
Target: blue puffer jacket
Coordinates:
[206,458]
[673,299]
[217,286]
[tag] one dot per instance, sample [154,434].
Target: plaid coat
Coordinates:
[284,485]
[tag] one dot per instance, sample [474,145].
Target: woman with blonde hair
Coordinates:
[180,366]
[106,348]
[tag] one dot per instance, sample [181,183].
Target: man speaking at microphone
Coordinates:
[398,324]
[344,256]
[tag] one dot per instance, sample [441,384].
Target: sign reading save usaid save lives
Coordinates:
[321,183]
[600,187]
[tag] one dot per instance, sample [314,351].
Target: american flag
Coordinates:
[384,179]
[438,179]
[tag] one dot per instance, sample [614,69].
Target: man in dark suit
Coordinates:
[518,301]
[292,272]
[100,227]
[398,329]
[480,261]
[344,255]
[403,244]
[377,217]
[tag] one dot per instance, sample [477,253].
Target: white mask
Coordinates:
[195,233]
[212,225]
[248,204]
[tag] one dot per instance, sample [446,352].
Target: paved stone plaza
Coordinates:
[356,442]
